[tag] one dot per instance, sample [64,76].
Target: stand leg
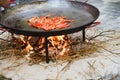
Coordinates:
[83,32]
[46,49]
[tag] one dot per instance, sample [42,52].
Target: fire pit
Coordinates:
[14,20]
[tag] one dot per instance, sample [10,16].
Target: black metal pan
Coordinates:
[15,18]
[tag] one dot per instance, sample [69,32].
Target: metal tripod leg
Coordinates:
[83,32]
[46,49]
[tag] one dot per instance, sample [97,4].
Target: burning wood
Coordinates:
[57,45]
[61,43]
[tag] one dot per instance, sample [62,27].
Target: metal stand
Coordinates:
[46,45]
[46,49]
[83,32]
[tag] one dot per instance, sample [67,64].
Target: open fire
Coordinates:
[21,20]
[57,45]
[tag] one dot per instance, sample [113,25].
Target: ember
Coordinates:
[48,23]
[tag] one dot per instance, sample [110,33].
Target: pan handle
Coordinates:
[94,24]
[84,2]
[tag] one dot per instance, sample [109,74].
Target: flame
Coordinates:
[28,47]
[58,45]
[61,43]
